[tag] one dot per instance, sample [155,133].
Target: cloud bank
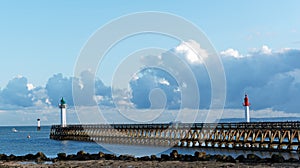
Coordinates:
[271,78]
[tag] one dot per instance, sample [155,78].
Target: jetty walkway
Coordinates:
[269,136]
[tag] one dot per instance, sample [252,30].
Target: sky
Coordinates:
[40,43]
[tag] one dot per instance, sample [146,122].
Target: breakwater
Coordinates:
[40,158]
[268,136]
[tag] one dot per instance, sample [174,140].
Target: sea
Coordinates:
[22,140]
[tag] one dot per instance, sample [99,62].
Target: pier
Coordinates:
[264,136]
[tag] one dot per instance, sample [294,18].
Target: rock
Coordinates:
[240,158]
[41,156]
[54,160]
[39,160]
[3,157]
[29,157]
[20,158]
[230,159]
[81,153]
[126,157]
[153,157]
[174,155]
[61,156]
[275,158]
[110,157]
[264,160]
[209,157]
[71,157]
[253,158]
[179,157]
[164,157]
[144,158]
[188,158]
[292,160]
[11,158]
[101,155]
[200,156]
[219,158]
[94,156]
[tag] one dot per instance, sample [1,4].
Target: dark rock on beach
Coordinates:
[144,158]
[240,158]
[199,159]
[71,157]
[81,155]
[11,158]
[174,155]
[275,158]
[253,158]
[164,157]
[62,156]
[201,156]
[101,155]
[188,158]
[229,159]
[126,157]
[94,157]
[153,157]
[3,157]
[29,157]
[110,157]
[224,158]
[40,157]
[292,160]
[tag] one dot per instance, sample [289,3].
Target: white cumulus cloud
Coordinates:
[231,53]
[264,50]
[192,51]
[30,86]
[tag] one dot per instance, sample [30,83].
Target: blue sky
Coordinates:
[40,39]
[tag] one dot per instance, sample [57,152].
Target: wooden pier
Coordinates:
[269,136]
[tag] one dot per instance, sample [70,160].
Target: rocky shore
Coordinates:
[174,159]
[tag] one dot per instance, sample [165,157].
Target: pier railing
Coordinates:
[273,136]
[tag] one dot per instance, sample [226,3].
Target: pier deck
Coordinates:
[271,136]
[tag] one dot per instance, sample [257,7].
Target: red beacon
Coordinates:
[246,101]
[246,104]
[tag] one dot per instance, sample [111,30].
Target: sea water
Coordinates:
[22,140]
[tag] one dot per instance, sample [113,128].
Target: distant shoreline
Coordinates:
[222,120]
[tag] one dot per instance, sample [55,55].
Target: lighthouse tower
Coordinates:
[38,124]
[246,104]
[63,112]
